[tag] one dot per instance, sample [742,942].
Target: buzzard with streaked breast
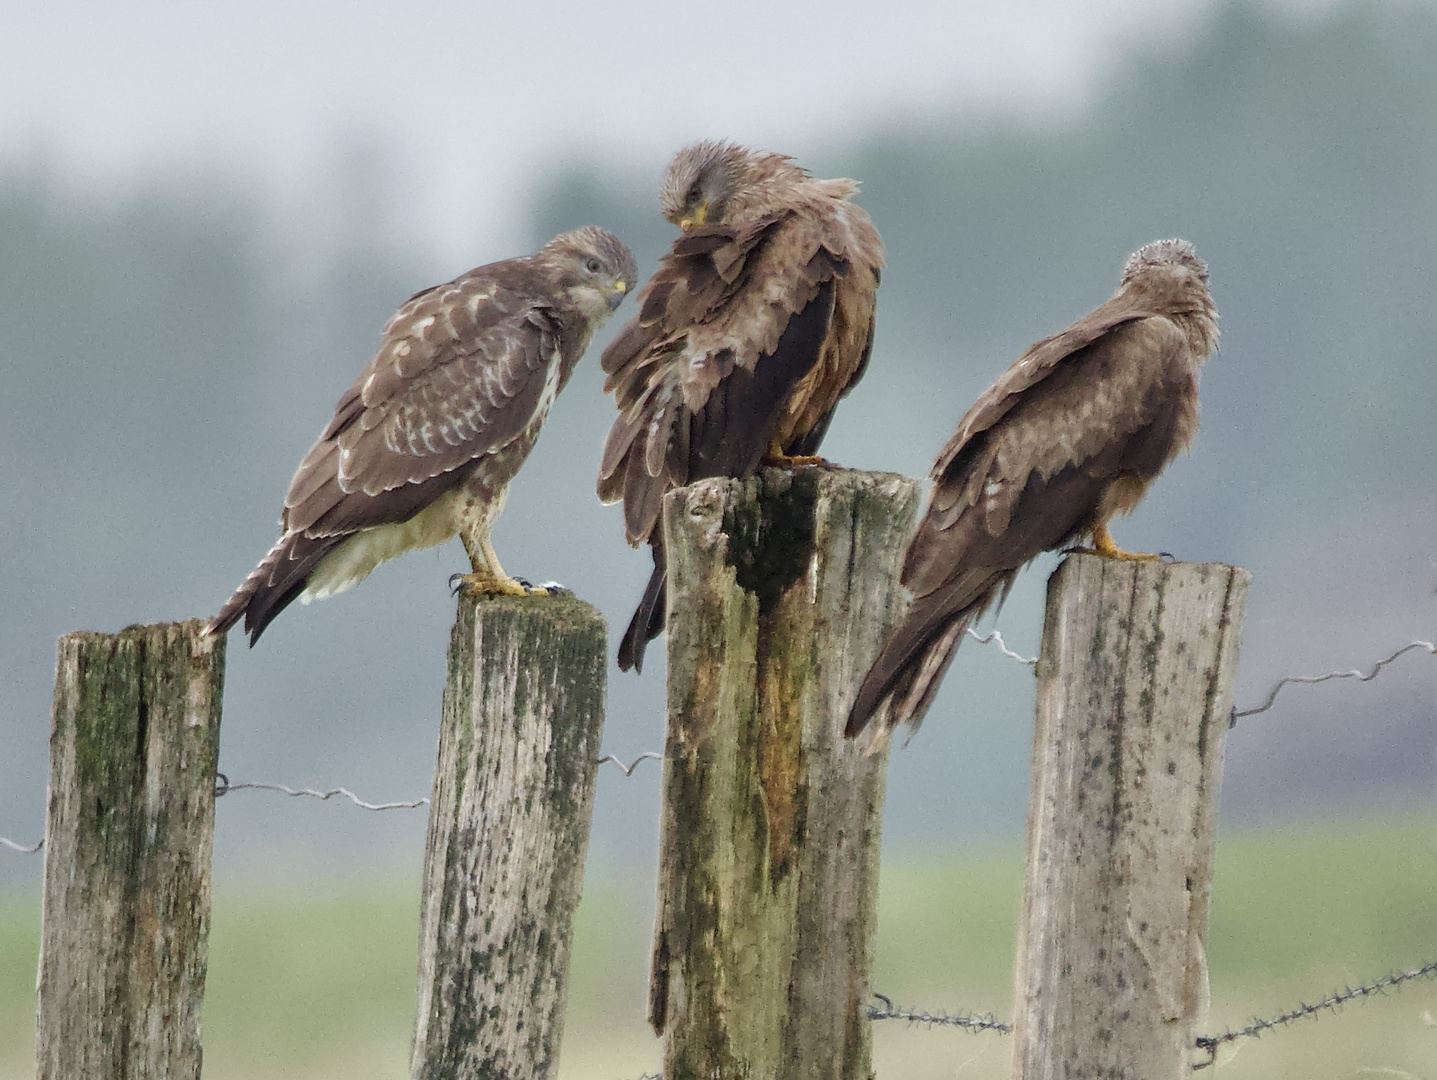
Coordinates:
[753,327]
[1070,436]
[424,444]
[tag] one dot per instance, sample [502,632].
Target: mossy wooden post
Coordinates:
[781,589]
[508,831]
[129,829]
[1134,690]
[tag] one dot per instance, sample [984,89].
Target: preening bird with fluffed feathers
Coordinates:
[424,444]
[753,327]
[1068,437]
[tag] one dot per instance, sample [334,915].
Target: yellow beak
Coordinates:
[699,215]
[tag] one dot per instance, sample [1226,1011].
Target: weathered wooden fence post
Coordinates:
[781,589]
[134,740]
[508,831]
[1134,690]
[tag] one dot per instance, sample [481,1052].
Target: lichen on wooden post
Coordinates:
[781,590]
[134,741]
[1134,690]
[508,831]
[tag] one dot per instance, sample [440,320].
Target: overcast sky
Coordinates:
[477,97]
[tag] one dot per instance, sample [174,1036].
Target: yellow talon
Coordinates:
[776,458]
[489,585]
[489,578]
[1103,545]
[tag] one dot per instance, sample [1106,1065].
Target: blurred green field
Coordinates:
[322,986]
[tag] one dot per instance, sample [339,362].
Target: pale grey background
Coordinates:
[207,212]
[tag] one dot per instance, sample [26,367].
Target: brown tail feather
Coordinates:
[648,620]
[893,672]
[916,685]
[914,659]
[274,584]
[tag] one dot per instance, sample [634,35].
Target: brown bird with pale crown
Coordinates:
[424,444]
[1070,436]
[754,326]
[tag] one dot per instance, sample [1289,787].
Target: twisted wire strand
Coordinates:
[1354,673]
[994,637]
[224,787]
[628,770]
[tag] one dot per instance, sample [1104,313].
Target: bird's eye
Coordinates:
[592,265]
[694,194]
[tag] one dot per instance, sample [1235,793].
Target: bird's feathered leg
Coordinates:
[488,578]
[1103,545]
[775,457]
[802,450]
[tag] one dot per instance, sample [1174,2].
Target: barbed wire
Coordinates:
[1332,1003]
[1354,673]
[967,1021]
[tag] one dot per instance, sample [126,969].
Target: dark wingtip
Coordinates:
[855,725]
[631,648]
[865,704]
[648,620]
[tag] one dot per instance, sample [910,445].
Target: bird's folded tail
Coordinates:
[648,620]
[906,675]
[274,584]
[914,659]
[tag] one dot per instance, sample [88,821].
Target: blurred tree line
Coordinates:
[1300,155]
[146,339]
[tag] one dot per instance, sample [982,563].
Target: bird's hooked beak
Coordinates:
[695,217]
[620,289]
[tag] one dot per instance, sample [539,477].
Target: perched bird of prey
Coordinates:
[1070,436]
[422,447]
[754,326]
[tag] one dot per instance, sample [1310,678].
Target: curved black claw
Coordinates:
[1167,557]
[456,582]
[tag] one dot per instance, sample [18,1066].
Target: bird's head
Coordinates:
[597,268]
[1176,258]
[700,181]
[1172,276]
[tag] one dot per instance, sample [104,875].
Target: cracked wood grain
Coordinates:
[1134,689]
[129,831]
[508,831]
[781,589]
